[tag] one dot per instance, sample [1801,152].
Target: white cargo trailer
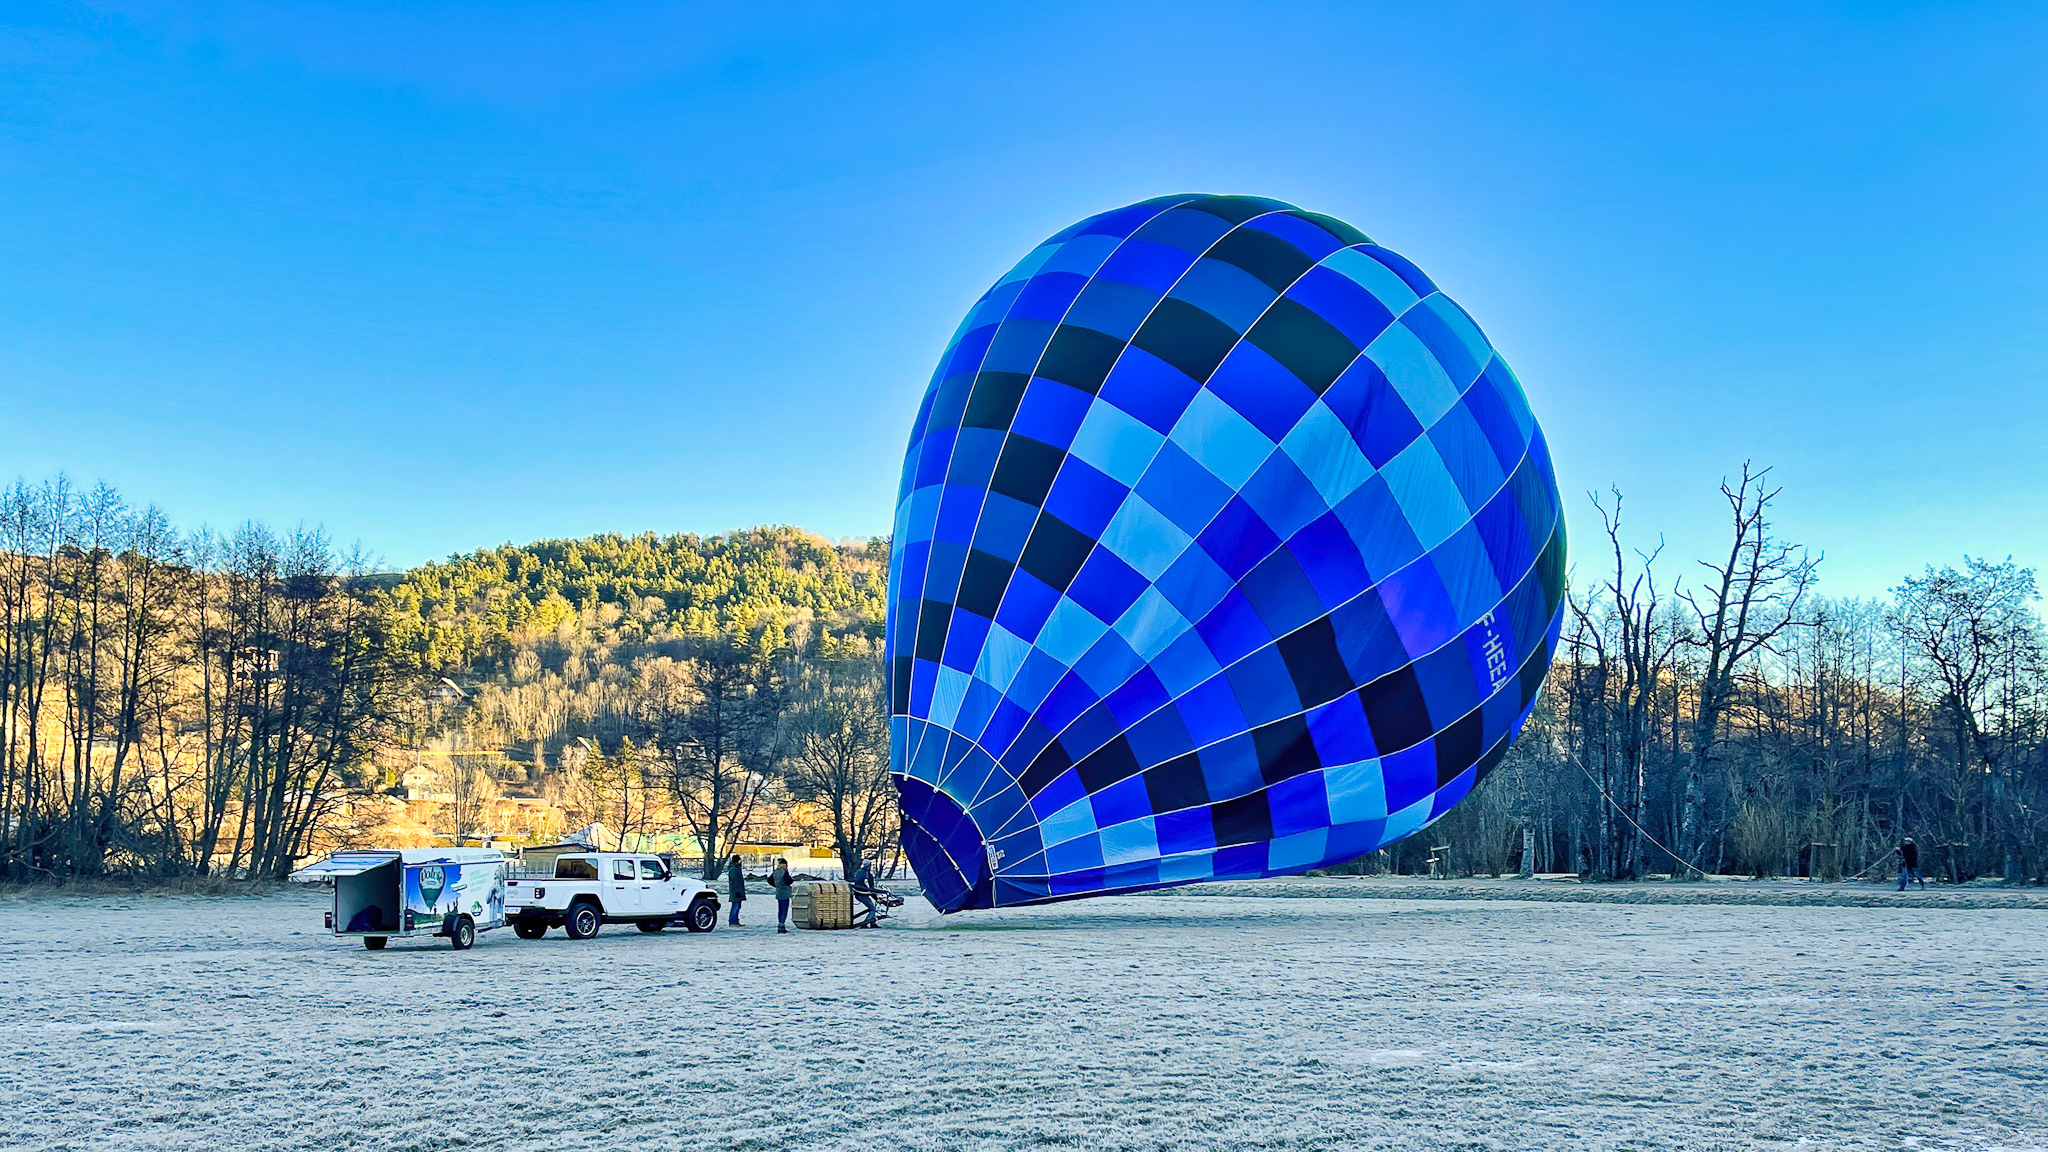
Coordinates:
[384,892]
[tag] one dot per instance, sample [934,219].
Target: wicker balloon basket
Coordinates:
[821,904]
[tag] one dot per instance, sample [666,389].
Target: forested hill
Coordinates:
[470,615]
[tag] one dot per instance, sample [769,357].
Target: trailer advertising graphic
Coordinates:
[433,891]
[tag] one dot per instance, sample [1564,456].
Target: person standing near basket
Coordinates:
[779,880]
[863,891]
[736,887]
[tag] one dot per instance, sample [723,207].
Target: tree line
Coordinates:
[1721,717]
[204,703]
[718,690]
[177,703]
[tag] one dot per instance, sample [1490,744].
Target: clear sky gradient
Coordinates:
[441,277]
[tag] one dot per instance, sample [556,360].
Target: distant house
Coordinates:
[594,837]
[589,838]
[423,783]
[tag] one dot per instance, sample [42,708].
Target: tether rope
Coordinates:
[1602,789]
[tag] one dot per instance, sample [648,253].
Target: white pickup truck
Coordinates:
[590,889]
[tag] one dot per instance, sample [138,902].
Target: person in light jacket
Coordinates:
[736,887]
[779,880]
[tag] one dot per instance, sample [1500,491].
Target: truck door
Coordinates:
[656,894]
[622,892]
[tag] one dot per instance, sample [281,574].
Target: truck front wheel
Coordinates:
[463,935]
[529,927]
[583,922]
[702,916]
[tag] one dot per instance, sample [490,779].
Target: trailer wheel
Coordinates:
[463,935]
[584,921]
[376,943]
[529,927]
[652,926]
[702,916]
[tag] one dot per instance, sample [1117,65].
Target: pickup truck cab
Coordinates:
[589,889]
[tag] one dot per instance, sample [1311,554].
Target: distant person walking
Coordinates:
[779,880]
[863,887]
[1909,864]
[736,887]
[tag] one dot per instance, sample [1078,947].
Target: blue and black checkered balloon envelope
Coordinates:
[1226,547]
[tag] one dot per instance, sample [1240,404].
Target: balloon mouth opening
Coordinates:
[945,847]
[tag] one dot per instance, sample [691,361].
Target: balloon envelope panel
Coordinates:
[1226,547]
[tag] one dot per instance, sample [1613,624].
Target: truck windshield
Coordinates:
[575,868]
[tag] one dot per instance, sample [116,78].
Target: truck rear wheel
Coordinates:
[583,922]
[376,943]
[702,916]
[529,927]
[463,935]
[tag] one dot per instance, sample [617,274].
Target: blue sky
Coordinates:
[441,277]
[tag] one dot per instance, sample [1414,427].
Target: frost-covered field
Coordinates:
[1172,1021]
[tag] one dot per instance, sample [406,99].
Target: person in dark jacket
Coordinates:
[736,887]
[1909,864]
[863,886]
[779,880]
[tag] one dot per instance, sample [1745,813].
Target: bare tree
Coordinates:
[1974,639]
[465,778]
[839,760]
[717,722]
[613,790]
[154,580]
[1625,637]
[40,529]
[306,691]
[1742,608]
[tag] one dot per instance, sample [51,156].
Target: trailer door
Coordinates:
[366,891]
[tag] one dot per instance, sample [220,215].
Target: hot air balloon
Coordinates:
[1226,547]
